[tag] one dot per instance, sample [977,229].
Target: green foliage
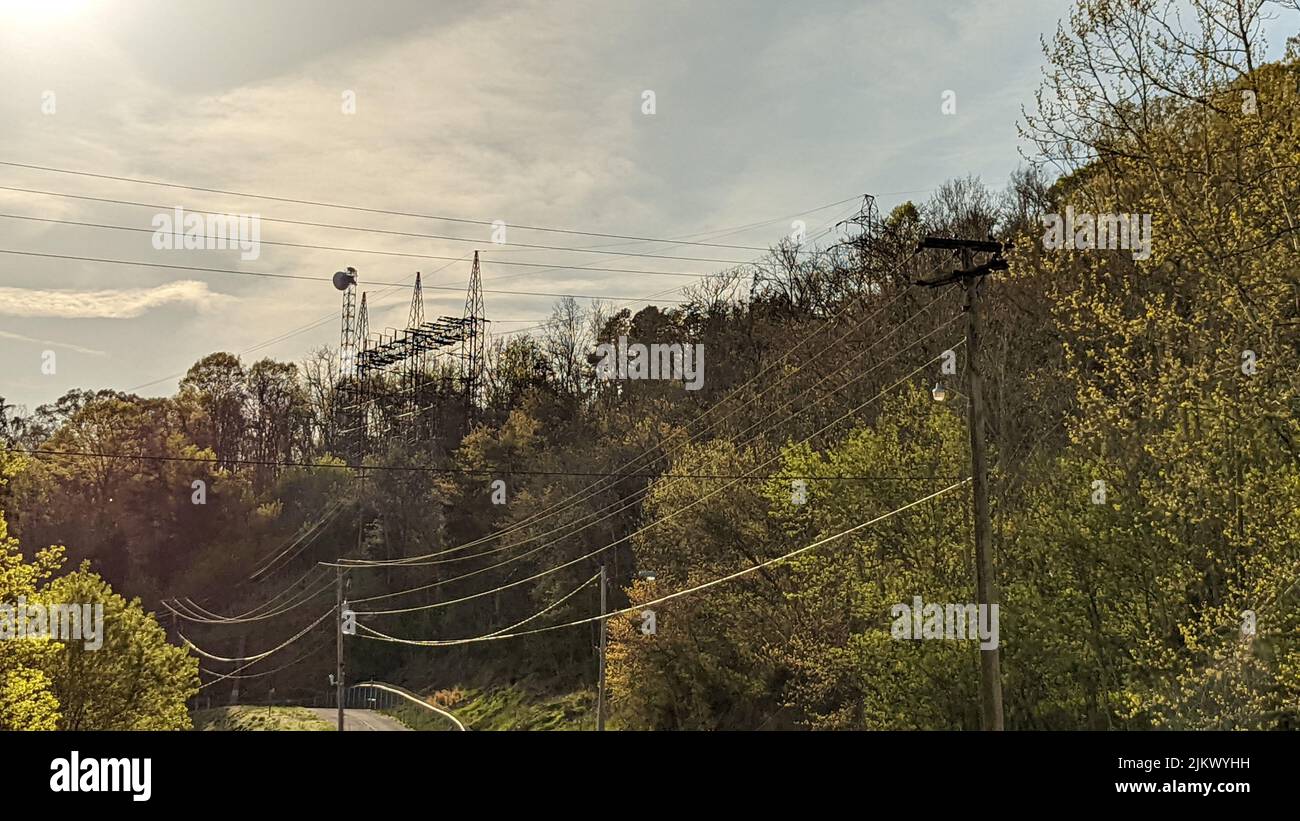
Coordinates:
[27,698]
[135,680]
[519,707]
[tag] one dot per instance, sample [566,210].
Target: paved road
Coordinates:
[359,719]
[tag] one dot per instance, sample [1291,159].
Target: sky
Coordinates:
[528,113]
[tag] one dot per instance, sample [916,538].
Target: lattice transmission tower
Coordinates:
[393,384]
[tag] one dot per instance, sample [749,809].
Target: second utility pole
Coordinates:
[600,693]
[338,660]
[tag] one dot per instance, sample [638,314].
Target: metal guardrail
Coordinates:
[384,697]
[394,690]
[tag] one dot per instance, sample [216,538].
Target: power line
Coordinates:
[310,537]
[859,407]
[208,617]
[321,523]
[626,503]
[629,501]
[671,476]
[331,317]
[339,206]
[592,488]
[546,609]
[258,608]
[148,457]
[272,671]
[370,230]
[669,597]
[550,265]
[750,381]
[258,656]
[630,536]
[285,463]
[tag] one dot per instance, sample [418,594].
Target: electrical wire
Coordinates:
[336,506]
[713,233]
[310,278]
[637,532]
[254,659]
[495,471]
[592,488]
[375,634]
[191,645]
[628,502]
[700,434]
[272,671]
[182,234]
[207,617]
[339,206]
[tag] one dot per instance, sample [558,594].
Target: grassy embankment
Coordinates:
[503,708]
[259,718]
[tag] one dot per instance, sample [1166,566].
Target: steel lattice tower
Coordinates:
[474,345]
[416,317]
[414,367]
[362,395]
[385,383]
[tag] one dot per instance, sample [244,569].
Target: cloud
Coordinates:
[123,304]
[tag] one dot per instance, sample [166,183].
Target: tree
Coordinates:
[217,385]
[277,415]
[135,681]
[27,697]
[566,342]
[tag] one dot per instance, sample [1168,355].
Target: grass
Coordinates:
[259,718]
[503,708]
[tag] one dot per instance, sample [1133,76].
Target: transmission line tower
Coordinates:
[474,344]
[385,383]
[415,368]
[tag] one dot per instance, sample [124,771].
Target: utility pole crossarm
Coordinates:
[986,246]
[965,246]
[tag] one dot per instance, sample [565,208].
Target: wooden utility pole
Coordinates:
[986,594]
[985,589]
[600,692]
[243,647]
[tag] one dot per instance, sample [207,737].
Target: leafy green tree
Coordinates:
[135,681]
